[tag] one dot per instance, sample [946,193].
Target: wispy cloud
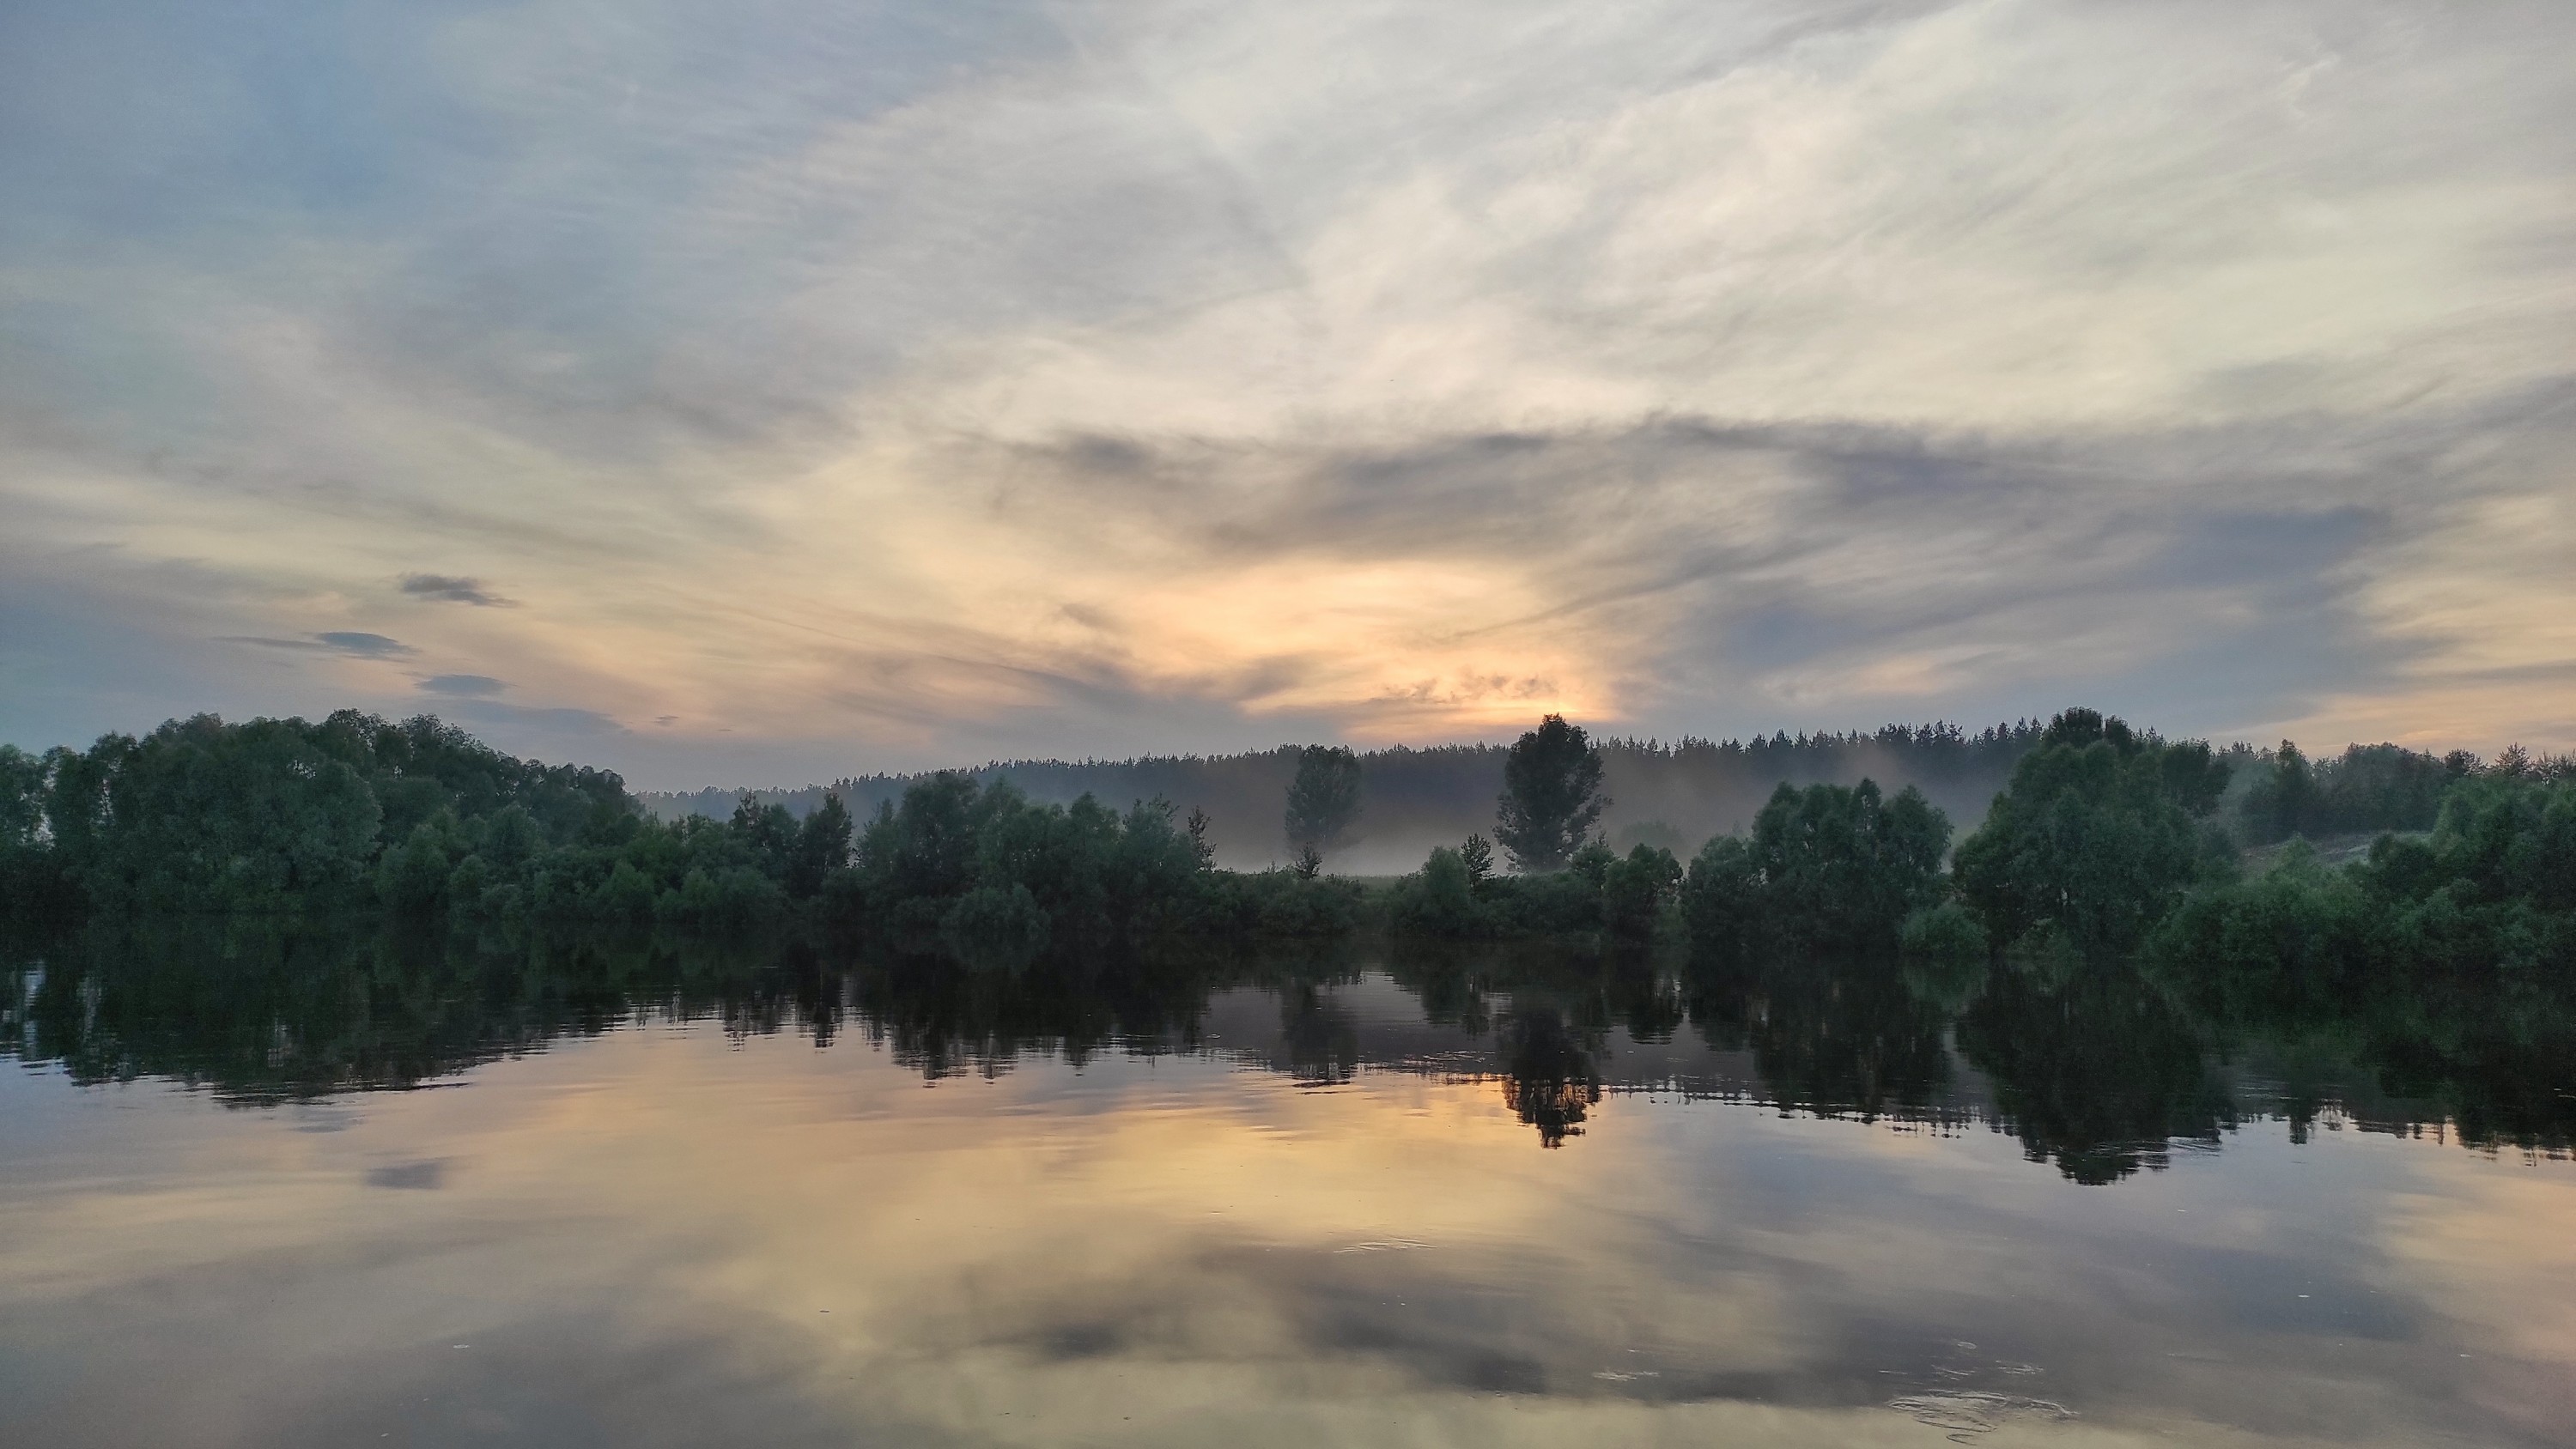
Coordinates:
[888,386]
[348,642]
[468,686]
[451,590]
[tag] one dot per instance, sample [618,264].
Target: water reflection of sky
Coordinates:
[672,1233]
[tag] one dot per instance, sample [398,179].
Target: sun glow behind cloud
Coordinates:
[825,389]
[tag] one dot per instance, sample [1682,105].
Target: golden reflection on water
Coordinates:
[669,1236]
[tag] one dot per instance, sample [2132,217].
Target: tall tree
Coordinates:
[1827,865]
[1324,799]
[2284,800]
[2098,835]
[1551,795]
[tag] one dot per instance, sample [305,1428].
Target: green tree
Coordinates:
[1092,875]
[1196,827]
[22,798]
[201,815]
[1635,890]
[413,878]
[1441,901]
[822,846]
[2285,799]
[1477,855]
[1324,799]
[31,882]
[1827,865]
[1551,795]
[2098,835]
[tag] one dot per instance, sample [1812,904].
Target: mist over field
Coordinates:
[1675,796]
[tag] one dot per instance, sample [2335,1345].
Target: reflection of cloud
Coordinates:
[427,1175]
[1156,1251]
[2487,1241]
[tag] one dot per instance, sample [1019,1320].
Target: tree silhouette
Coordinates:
[1478,856]
[1309,862]
[1324,799]
[1551,795]
[1197,829]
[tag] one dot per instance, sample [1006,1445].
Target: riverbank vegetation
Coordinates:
[2105,842]
[281,908]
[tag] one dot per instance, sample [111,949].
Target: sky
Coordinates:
[767,391]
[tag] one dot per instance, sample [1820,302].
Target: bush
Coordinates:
[1451,898]
[1722,899]
[2489,898]
[1634,891]
[1440,900]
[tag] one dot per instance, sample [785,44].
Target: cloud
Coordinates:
[1080,379]
[347,642]
[469,686]
[533,722]
[1819,569]
[453,590]
[365,646]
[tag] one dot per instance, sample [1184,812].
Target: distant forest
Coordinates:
[1675,796]
[1669,795]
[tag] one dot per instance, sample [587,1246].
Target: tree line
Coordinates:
[419,820]
[2104,840]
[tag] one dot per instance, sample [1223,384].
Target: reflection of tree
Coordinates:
[2503,1073]
[1831,1035]
[2100,1073]
[257,1012]
[1323,1040]
[1548,1077]
[1625,983]
[942,1020]
[2393,1043]
[2094,1067]
[1641,996]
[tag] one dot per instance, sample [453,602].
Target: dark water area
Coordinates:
[344,1188]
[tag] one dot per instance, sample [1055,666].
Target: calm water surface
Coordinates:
[263,1192]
